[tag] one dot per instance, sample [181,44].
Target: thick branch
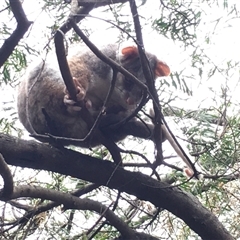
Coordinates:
[183,205]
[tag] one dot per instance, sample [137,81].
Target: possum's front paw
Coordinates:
[81,91]
[73,106]
[76,106]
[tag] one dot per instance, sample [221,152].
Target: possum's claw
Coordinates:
[71,105]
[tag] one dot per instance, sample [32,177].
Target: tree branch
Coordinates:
[185,206]
[36,210]
[22,26]
[158,116]
[60,49]
[150,83]
[106,59]
[73,202]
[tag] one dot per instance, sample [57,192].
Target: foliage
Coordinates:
[200,96]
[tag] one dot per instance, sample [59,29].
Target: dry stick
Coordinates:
[148,164]
[158,130]
[81,13]
[67,77]
[111,63]
[116,67]
[63,65]
[17,204]
[60,49]
[105,222]
[110,90]
[150,82]
[134,113]
[66,74]
[106,59]
[96,223]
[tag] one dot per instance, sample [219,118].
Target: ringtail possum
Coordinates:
[42,96]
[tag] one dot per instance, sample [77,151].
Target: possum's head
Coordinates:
[129,59]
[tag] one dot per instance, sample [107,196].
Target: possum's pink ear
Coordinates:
[129,52]
[162,69]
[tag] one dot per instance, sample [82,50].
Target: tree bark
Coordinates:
[34,155]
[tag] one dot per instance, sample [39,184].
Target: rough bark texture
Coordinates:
[31,154]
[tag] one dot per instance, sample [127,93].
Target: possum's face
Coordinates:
[130,60]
